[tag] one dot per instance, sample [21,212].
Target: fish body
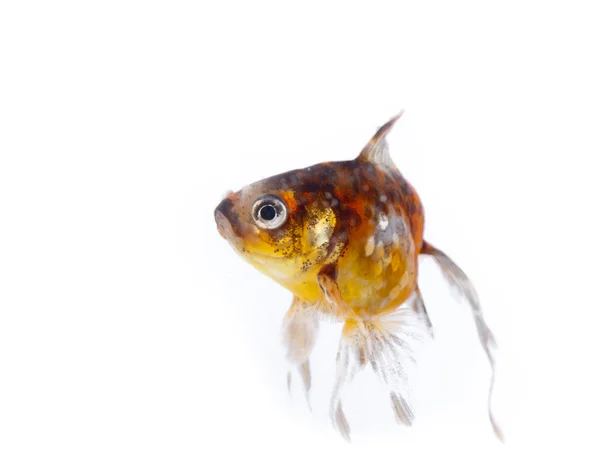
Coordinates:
[344,238]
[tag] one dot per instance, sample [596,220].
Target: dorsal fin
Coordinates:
[376,151]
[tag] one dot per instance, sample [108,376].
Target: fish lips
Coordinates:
[227,221]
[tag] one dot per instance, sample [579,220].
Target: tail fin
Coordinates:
[457,278]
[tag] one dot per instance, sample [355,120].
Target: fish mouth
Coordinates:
[224,226]
[227,220]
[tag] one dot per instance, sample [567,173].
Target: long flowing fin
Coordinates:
[387,343]
[457,278]
[300,328]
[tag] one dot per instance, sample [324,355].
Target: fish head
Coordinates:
[291,225]
[284,225]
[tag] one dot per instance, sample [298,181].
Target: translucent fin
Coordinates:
[402,410]
[376,151]
[300,328]
[418,306]
[387,343]
[351,357]
[304,370]
[457,278]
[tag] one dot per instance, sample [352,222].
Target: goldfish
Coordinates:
[344,239]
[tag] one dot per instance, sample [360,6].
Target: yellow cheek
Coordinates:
[308,290]
[304,284]
[318,228]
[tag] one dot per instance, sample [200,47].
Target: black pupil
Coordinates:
[267,212]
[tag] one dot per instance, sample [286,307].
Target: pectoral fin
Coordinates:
[333,304]
[300,328]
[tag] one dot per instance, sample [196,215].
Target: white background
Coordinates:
[126,322]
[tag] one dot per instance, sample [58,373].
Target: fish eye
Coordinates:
[269,212]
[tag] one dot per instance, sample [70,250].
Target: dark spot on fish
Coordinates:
[404,189]
[330,270]
[330,173]
[310,186]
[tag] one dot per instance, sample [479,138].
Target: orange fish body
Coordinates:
[344,239]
